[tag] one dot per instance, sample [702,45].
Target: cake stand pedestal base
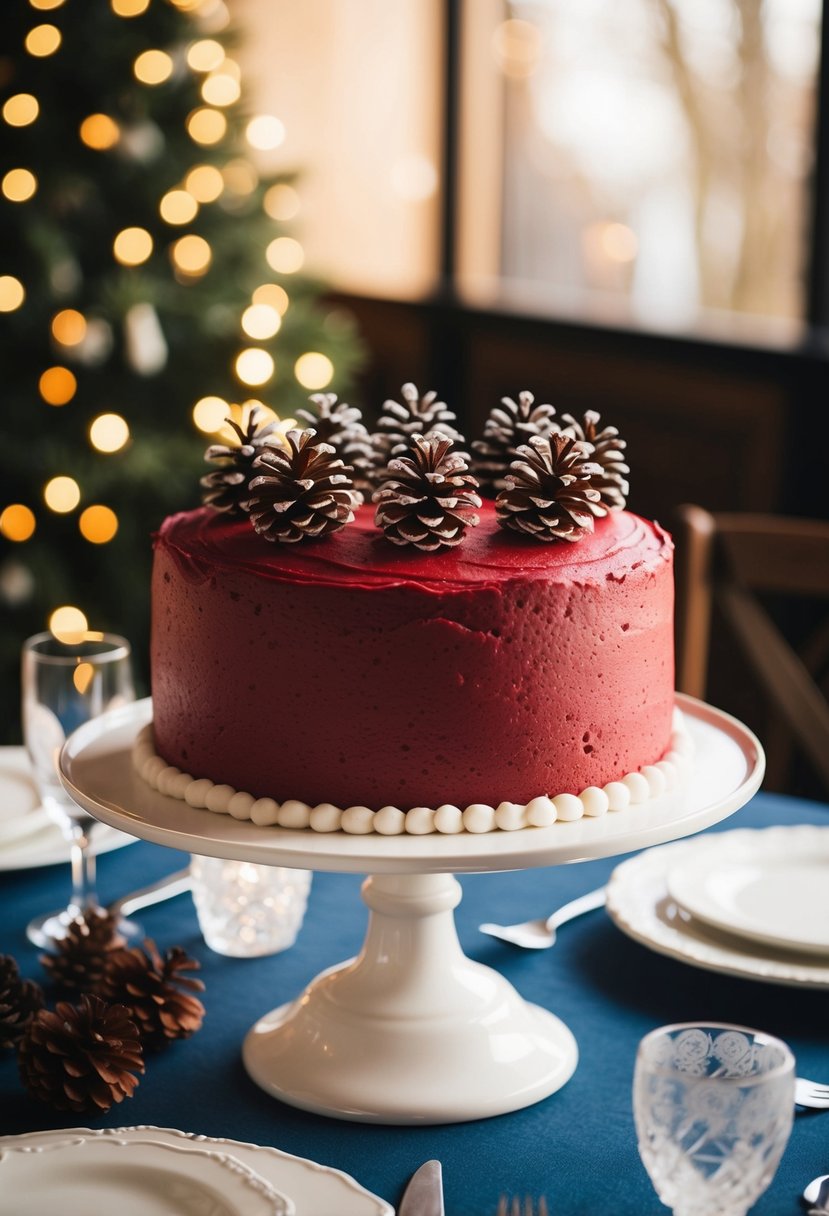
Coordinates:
[410,1031]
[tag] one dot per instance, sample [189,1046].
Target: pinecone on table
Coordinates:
[81,1057]
[341,425]
[607,450]
[156,991]
[398,424]
[301,493]
[20,1000]
[81,956]
[226,488]
[429,496]
[508,426]
[549,493]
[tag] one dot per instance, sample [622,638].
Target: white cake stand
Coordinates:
[410,1031]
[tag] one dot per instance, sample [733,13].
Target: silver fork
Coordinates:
[515,1206]
[811,1094]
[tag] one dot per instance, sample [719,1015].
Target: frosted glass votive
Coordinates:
[247,910]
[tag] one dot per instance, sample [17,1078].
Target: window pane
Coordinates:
[653,156]
[357,85]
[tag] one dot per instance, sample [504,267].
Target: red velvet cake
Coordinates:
[348,673]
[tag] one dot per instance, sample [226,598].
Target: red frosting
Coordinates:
[353,672]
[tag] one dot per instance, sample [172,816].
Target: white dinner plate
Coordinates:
[769,885]
[639,904]
[314,1190]
[88,1173]
[28,837]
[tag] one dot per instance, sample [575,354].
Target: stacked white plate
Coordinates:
[152,1171]
[750,902]
[28,837]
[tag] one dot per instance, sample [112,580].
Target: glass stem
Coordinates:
[83,869]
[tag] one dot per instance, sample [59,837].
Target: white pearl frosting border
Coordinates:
[651,781]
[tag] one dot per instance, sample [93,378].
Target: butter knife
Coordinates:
[424,1194]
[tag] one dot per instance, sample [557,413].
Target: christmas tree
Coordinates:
[150,286]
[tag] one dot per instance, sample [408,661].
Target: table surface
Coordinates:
[577,1147]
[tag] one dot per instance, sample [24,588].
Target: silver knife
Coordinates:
[424,1194]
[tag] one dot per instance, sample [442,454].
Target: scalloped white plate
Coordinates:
[88,1173]
[769,885]
[28,837]
[639,904]
[314,1190]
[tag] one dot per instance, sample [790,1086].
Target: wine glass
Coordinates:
[713,1106]
[65,683]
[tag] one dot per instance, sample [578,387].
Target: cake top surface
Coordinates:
[358,556]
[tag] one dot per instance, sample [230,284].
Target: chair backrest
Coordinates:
[730,562]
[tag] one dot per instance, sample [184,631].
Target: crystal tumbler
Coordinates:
[246,910]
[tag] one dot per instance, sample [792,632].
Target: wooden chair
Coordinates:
[730,569]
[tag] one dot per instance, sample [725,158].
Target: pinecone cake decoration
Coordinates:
[429,496]
[81,956]
[508,426]
[20,1000]
[398,424]
[606,450]
[226,488]
[156,991]
[301,493]
[342,426]
[81,1057]
[549,493]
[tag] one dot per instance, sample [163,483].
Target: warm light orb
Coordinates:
[517,48]
[129,8]
[153,67]
[100,132]
[45,5]
[254,366]
[240,177]
[57,385]
[274,295]
[619,242]
[191,254]
[221,89]
[42,40]
[82,677]
[314,370]
[209,414]
[98,524]
[12,293]
[205,55]
[265,132]
[414,178]
[69,327]
[108,432]
[285,255]
[205,183]
[178,207]
[62,494]
[261,321]
[17,522]
[206,126]
[21,109]
[19,185]
[132,246]
[68,624]
[281,202]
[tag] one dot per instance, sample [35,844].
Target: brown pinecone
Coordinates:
[341,425]
[157,994]
[399,424]
[428,497]
[549,493]
[81,1057]
[226,488]
[302,493]
[607,450]
[80,957]
[19,1001]
[504,432]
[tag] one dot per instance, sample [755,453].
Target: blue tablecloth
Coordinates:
[577,1147]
